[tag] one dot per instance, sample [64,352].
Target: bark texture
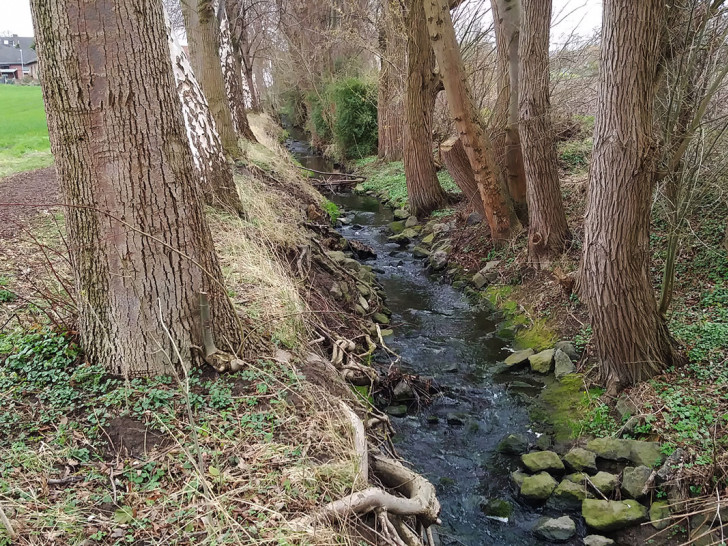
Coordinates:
[126,171]
[458,165]
[203,39]
[423,187]
[498,208]
[548,231]
[215,174]
[390,112]
[630,337]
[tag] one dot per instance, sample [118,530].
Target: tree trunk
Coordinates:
[630,337]
[390,117]
[507,140]
[423,187]
[140,247]
[498,208]
[547,228]
[457,163]
[214,172]
[203,39]
[233,78]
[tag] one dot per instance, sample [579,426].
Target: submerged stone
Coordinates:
[399,410]
[612,515]
[538,487]
[580,460]
[542,362]
[455,419]
[542,460]
[634,481]
[519,357]
[497,508]
[555,529]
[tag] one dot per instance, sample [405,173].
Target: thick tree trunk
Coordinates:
[390,114]
[423,187]
[507,140]
[498,208]
[233,78]
[458,165]
[547,228]
[630,337]
[203,39]
[215,173]
[140,247]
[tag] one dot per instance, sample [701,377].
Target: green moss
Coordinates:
[563,405]
[332,210]
[538,337]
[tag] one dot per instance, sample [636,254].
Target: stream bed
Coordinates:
[439,333]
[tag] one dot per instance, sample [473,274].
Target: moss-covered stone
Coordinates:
[396,227]
[605,482]
[581,460]
[538,487]
[608,516]
[542,362]
[519,357]
[497,508]
[401,214]
[659,512]
[634,481]
[381,318]
[518,476]
[597,540]
[513,444]
[568,495]
[538,461]
[555,529]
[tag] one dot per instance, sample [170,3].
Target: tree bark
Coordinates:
[203,39]
[232,74]
[390,116]
[498,207]
[214,172]
[548,231]
[423,187]
[630,337]
[140,247]
[458,165]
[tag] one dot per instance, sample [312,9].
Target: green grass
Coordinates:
[24,144]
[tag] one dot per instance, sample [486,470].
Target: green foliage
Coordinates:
[355,121]
[319,120]
[574,155]
[24,143]
[332,210]
[5,294]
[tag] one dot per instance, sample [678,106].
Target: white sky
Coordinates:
[578,16]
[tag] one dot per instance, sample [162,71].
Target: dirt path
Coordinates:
[24,195]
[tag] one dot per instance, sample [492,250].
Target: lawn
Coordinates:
[24,142]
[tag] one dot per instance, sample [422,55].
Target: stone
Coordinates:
[336,291]
[659,511]
[428,239]
[645,453]
[473,219]
[568,496]
[488,274]
[411,222]
[433,419]
[671,464]
[608,516]
[496,508]
[604,482]
[359,310]
[581,460]
[519,357]
[387,332]
[576,477]
[634,481]
[538,461]
[438,229]
[543,442]
[597,540]
[337,255]
[568,348]
[344,221]
[438,260]
[403,238]
[479,281]
[401,214]
[396,227]
[364,290]
[455,419]
[513,444]
[555,529]
[364,303]
[351,264]
[538,487]
[403,392]
[397,411]
[518,476]
[625,408]
[419,252]
[381,318]
[562,364]
[542,362]
[613,449]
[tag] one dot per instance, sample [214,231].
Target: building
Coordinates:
[17,58]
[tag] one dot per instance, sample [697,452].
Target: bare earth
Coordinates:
[23,196]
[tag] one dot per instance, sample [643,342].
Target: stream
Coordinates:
[439,333]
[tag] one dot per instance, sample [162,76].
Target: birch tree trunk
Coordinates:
[423,187]
[630,337]
[390,115]
[215,173]
[203,39]
[498,207]
[139,244]
[547,228]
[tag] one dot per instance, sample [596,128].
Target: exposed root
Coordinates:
[347,364]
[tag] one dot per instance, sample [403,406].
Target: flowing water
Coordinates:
[438,333]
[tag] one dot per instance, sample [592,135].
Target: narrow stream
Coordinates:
[439,333]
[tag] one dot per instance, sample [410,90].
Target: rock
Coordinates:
[659,511]
[433,419]
[631,425]
[438,260]
[401,214]
[562,364]
[359,310]
[428,239]
[645,453]
[403,392]
[671,464]
[519,357]
[455,419]
[364,303]
[543,442]
[411,222]
[604,482]
[364,290]
[337,255]
[518,476]
[542,362]
[396,227]
[580,460]
[625,408]
[479,281]
[387,332]
[538,487]
[336,291]
[366,275]
[555,529]
[403,238]
[608,516]
[419,252]
[576,477]
[568,348]
[473,219]
[351,264]
[634,481]
[438,229]
[381,318]
[513,444]
[397,411]
[613,449]
[344,221]
[496,508]
[488,274]
[542,460]
[568,496]
[597,540]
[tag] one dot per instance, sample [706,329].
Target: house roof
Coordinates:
[10,54]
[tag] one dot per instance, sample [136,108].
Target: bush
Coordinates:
[355,119]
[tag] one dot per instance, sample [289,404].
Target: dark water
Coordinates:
[439,333]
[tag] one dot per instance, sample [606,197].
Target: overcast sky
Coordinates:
[578,16]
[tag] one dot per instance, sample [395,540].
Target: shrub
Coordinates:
[355,117]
